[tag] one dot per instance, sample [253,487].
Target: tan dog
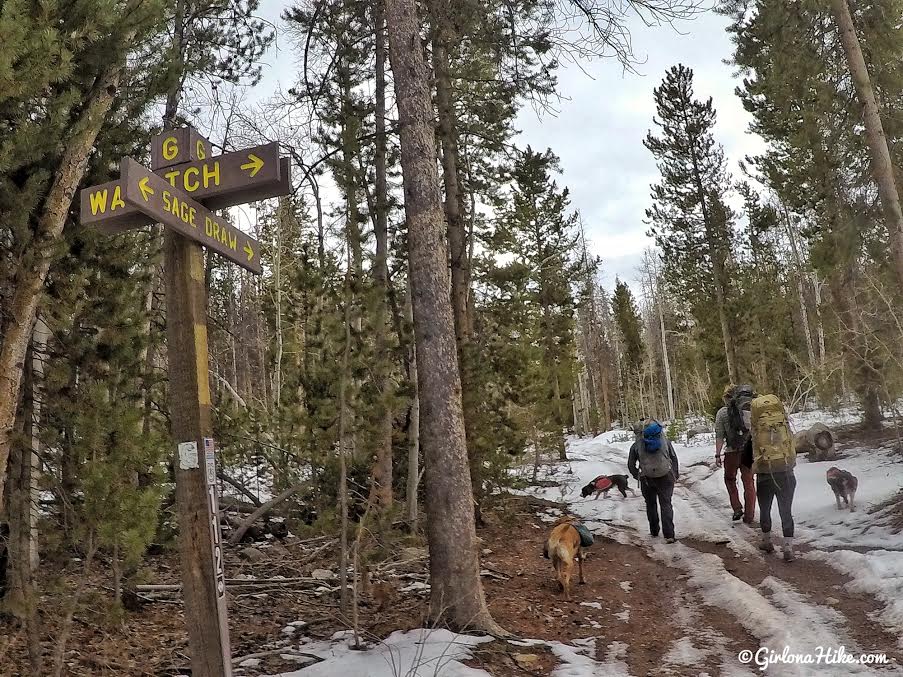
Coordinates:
[563,548]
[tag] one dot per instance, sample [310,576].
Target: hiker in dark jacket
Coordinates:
[733,462]
[653,462]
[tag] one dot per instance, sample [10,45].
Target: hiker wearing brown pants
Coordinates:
[733,463]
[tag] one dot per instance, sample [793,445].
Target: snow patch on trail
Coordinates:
[576,660]
[877,573]
[416,653]
[682,652]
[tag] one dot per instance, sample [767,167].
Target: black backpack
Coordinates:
[737,432]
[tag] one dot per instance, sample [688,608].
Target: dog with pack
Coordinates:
[654,464]
[565,548]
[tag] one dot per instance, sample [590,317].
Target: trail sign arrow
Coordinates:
[253,165]
[145,188]
[156,198]
[222,181]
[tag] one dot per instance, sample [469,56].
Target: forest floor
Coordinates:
[648,608]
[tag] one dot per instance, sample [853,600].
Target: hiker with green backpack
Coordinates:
[653,462]
[774,458]
[760,423]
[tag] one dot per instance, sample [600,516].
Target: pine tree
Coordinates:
[689,218]
[536,228]
[66,65]
[627,317]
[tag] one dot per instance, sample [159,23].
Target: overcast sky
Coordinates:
[601,122]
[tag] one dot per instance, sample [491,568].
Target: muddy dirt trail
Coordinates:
[649,608]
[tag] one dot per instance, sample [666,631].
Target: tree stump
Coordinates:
[817,442]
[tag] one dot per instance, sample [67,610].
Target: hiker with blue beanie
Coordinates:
[653,462]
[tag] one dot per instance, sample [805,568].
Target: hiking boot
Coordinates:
[738,514]
[766,543]
[670,539]
[789,555]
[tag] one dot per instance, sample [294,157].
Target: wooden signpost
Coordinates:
[218,182]
[185,182]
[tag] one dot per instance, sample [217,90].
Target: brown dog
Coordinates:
[563,548]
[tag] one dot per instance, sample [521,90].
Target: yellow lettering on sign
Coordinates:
[190,185]
[170,147]
[117,199]
[211,174]
[191,213]
[200,151]
[98,201]
[233,241]
[208,226]
[166,200]
[172,176]
[184,212]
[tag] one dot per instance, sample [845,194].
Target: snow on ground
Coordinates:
[417,653]
[774,612]
[576,660]
[438,653]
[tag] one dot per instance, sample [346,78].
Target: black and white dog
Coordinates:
[844,485]
[604,483]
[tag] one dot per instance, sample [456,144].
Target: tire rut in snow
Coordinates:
[818,585]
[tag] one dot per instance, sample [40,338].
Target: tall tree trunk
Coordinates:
[559,412]
[381,491]
[344,446]
[718,273]
[882,166]
[277,303]
[17,509]
[21,598]
[865,379]
[413,479]
[720,300]
[49,227]
[667,362]
[798,275]
[350,127]
[443,40]
[820,325]
[606,397]
[456,594]
[443,37]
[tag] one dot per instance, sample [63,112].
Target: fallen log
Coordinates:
[241,488]
[239,533]
[285,651]
[817,442]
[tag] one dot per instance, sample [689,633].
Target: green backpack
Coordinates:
[772,440]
